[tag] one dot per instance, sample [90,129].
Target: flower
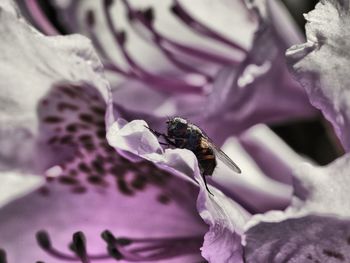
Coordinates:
[319,205]
[92,188]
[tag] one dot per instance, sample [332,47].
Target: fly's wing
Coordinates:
[224,158]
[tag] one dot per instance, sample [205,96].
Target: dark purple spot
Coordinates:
[95,179]
[101,133]
[66,139]
[348,240]
[89,147]
[67,180]
[139,182]
[86,117]
[44,191]
[53,119]
[100,158]
[73,172]
[71,128]
[45,102]
[163,199]
[85,138]
[84,168]
[123,187]
[52,140]
[101,124]
[98,166]
[68,91]
[98,110]
[158,177]
[114,170]
[333,254]
[108,149]
[79,189]
[61,106]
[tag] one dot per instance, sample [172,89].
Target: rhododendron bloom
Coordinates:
[83,177]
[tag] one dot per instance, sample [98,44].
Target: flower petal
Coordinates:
[242,94]
[265,182]
[321,63]
[222,243]
[317,190]
[308,239]
[15,185]
[61,213]
[30,64]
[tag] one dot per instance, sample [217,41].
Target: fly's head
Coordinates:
[177,127]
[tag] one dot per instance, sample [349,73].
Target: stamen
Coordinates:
[90,21]
[80,246]
[40,18]
[146,18]
[128,249]
[3,256]
[150,249]
[156,81]
[44,242]
[201,28]
[173,46]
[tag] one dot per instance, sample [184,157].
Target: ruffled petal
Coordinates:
[223,215]
[30,64]
[308,239]
[320,209]
[226,218]
[320,64]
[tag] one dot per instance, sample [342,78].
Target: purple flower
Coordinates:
[127,198]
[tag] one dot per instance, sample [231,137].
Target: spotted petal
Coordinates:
[30,64]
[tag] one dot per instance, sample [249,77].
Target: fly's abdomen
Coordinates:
[206,158]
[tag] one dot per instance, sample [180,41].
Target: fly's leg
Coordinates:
[204,179]
[165,137]
[206,185]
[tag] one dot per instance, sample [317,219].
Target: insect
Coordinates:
[185,135]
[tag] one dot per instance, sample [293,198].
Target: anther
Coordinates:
[114,252]
[108,237]
[43,240]
[78,246]
[79,243]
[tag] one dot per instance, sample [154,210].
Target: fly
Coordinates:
[185,135]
